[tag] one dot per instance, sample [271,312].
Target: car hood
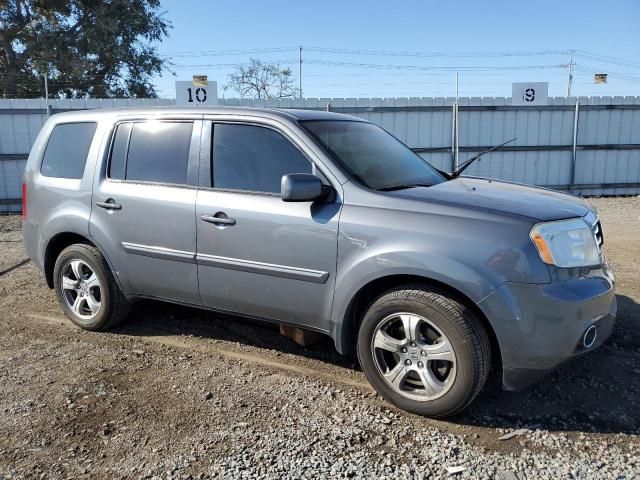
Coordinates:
[538,203]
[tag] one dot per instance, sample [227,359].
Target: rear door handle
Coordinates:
[220,221]
[110,204]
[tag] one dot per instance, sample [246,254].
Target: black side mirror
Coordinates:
[301,187]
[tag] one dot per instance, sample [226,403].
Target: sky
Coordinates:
[354,48]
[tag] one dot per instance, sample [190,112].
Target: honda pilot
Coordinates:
[324,222]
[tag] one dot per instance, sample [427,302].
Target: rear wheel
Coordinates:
[86,289]
[424,351]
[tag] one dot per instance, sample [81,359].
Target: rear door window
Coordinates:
[66,153]
[154,151]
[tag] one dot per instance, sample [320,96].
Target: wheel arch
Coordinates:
[347,334]
[62,240]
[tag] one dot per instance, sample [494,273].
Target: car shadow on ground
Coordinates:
[597,392]
[149,317]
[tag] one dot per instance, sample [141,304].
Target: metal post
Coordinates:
[453,137]
[300,71]
[570,79]
[574,150]
[457,133]
[46,93]
[455,158]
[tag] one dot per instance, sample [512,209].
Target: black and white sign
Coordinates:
[199,95]
[530,93]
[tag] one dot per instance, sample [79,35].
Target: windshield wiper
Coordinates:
[463,166]
[403,186]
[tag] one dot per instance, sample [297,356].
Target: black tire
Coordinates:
[460,325]
[114,306]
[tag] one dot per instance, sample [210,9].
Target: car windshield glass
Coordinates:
[374,157]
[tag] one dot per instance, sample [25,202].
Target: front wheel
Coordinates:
[87,290]
[424,351]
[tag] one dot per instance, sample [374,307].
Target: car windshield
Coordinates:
[374,157]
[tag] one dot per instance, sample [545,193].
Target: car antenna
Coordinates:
[463,166]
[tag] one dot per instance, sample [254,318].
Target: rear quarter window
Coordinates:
[119,151]
[66,152]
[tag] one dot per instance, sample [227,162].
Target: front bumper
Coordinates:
[540,326]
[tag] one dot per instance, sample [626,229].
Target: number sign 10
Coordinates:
[199,95]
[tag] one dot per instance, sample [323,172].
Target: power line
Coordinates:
[487,68]
[393,74]
[433,54]
[288,61]
[292,61]
[459,68]
[215,53]
[346,51]
[380,66]
[621,76]
[607,59]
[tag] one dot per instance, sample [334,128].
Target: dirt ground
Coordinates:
[180,393]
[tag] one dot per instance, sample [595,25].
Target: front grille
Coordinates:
[597,232]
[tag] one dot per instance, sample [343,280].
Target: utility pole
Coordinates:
[570,79]
[300,71]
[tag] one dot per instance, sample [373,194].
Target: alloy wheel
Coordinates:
[81,289]
[414,356]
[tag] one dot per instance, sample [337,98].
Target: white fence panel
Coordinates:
[608,167]
[11,184]
[607,157]
[552,169]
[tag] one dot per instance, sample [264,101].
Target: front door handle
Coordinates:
[222,221]
[110,204]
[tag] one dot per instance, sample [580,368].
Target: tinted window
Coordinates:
[374,157]
[67,149]
[253,158]
[119,151]
[159,152]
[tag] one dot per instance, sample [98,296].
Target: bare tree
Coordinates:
[263,80]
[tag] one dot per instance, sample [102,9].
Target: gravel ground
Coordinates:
[179,393]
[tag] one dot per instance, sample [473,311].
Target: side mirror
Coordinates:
[301,187]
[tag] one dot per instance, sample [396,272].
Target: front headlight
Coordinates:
[566,243]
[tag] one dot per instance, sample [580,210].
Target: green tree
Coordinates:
[97,48]
[259,79]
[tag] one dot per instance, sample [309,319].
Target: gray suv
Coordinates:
[325,222]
